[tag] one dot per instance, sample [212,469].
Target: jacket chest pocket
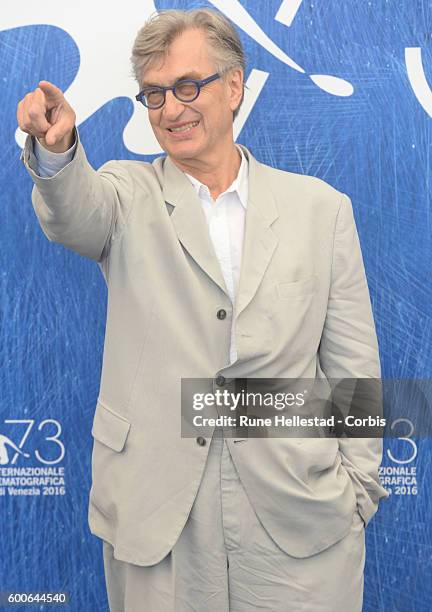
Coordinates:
[297,289]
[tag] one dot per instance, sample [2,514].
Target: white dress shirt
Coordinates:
[225,218]
[226,222]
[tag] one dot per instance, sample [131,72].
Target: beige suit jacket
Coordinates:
[302,310]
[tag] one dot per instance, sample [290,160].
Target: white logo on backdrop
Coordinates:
[104,31]
[4,455]
[401,478]
[287,11]
[46,475]
[417,78]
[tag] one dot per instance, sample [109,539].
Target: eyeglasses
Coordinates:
[186,90]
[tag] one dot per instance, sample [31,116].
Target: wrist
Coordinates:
[62,145]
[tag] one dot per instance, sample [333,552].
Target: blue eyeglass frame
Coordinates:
[141,96]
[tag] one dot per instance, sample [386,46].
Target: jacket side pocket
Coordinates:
[110,428]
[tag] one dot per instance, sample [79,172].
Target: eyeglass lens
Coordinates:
[183,91]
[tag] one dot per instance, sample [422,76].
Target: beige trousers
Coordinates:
[224,561]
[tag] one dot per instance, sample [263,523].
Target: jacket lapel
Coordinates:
[259,239]
[188,218]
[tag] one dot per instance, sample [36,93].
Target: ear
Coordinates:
[235,82]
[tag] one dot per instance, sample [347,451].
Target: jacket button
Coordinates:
[220,381]
[201,441]
[221,314]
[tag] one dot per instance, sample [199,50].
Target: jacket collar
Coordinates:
[240,185]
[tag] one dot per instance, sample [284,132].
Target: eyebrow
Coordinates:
[187,75]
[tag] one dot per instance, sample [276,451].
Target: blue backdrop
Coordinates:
[369,135]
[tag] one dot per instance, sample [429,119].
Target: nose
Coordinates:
[172,107]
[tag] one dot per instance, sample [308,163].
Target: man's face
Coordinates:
[188,57]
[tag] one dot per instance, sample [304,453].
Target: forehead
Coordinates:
[187,57]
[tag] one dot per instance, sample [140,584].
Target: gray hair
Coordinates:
[154,38]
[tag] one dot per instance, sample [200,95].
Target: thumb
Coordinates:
[56,133]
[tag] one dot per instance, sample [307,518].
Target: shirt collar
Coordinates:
[239,185]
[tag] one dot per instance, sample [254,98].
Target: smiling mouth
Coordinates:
[184,128]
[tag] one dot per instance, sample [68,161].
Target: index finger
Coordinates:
[51,91]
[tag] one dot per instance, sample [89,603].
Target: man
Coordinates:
[218,267]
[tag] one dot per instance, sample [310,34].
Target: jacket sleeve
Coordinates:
[83,209]
[349,350]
